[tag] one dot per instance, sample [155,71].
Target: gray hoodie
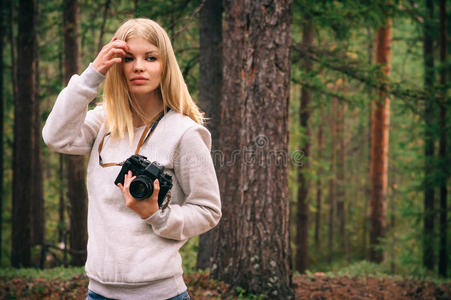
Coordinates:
[130,257]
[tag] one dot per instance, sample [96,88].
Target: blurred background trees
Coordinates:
[359,73]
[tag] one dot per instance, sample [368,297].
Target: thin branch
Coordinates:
[102,27]
[189,19]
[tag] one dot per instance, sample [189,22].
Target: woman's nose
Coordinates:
[138,66]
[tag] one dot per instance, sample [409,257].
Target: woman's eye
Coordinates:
[151,58]
[127,59]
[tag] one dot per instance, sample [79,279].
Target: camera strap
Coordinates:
[144,137]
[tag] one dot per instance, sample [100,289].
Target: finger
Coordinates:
[119,44]
[113,61]
[156,186]
[114,52]
[156,191]
[129,180]
[114,44]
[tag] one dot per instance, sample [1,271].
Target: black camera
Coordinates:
[146,172]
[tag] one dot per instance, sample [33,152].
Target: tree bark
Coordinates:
[429,141]
[380,122]
[62,230]
[444,162]
[319,187]
[12,47]
[3,25]
[303,205]
[253,249]
[62,224]
[75,165]
[37,218]
[367,154]
[23,142]
[341,181]
[332,181]
[210,85]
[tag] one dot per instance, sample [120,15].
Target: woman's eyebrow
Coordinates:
[148,52]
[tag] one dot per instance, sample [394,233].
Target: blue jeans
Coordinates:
[94,296]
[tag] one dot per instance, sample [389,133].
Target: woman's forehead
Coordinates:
[141,45]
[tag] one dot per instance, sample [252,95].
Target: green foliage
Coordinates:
[242,294]
[189,255]
[343,50]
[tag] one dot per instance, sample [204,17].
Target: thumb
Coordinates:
[156,186]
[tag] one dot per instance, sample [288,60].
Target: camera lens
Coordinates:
[140,188]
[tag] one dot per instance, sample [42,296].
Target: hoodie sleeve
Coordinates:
[195,172]
[71,128]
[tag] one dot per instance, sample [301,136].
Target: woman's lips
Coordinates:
[139,80]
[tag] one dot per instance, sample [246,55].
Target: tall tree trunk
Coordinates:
[3,26]
[62,226]
[319,186]
[253,248]
[392,224]
[332,180]
[303,205]
[380,122]
[429,140]
[210,85]
[341,181]
[75,165]
[37,218]
[61,205]
[367,156]
[23,143]
[12,47]
[444,162]
[12,42]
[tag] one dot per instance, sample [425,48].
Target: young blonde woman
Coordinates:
[133,246]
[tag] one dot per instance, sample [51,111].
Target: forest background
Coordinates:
[345,203]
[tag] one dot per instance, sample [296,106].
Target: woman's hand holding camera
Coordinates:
[144,208]
[110,54]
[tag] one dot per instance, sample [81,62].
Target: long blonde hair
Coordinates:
[117,99]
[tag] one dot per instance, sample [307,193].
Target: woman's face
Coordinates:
[142,67]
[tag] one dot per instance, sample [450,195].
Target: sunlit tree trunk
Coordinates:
[443,151]
[75,165]
[210,84]
[303,203]
[429,141]
[23,142]
[380,122]
[252,248]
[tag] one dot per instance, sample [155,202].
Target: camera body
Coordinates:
[146,172]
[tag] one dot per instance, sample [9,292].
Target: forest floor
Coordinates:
[202,287]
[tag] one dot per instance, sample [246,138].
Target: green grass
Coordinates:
[60,273]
